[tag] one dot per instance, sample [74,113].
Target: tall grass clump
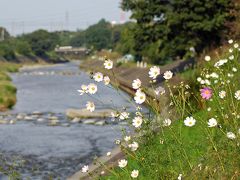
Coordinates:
[195,135]
[7,89]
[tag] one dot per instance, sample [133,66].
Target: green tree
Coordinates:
[42,41]
[22,47]
[125,43]
[78,40]
[99,35]
[171,27]
[7,51]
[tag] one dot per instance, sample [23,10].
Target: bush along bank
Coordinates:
[198,134]
[7,89]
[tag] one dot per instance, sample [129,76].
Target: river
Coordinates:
[38,150]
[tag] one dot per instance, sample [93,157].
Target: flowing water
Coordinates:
[36,147]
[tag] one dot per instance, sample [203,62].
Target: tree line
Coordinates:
[160,31]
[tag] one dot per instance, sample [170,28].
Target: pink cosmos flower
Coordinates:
[206,93]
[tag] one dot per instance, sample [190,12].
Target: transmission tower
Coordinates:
[67,20]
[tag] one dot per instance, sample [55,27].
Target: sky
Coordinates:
[23,16]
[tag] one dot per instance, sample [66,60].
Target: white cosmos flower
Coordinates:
[207,82]
[85,169]
[134,173]
[207,58]
[209,109]
[106,80]
[122,163]
[92,88]
[139,97]
[237,95]
[160,90]
[231,57]
[179,177]
[220,62]
[231,135]
[212,122]
[108,64]
[124,115]
[189,121]
[109,153]
[168,75]
[127,138]
[90,106]
[136,84]
[98,77]
[154,72]
[84,89]
[230,41]
[167,122]
[134,146]
[114,115]
[202,81]
[230,50]
[214,75]
[199,79]
[236,45]
[234,69]
[222,94]
[137,121]
[117,141]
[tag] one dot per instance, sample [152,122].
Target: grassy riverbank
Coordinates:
[205,149]
[7,89]
[200,151]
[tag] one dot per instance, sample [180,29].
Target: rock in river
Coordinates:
[85,114]
[76,120]
[3,122]
[53,118]
[100,123]
[89,121]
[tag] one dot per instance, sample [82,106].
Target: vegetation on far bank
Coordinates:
[7,89]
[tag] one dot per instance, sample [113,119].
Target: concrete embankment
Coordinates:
[95,169]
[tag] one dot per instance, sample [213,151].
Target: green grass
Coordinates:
[7,89]
[166,161]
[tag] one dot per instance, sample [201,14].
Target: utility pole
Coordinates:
[13,28]
[23,27]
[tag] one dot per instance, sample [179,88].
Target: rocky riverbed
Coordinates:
[38,141]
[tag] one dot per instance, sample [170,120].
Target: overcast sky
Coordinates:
[20,16]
